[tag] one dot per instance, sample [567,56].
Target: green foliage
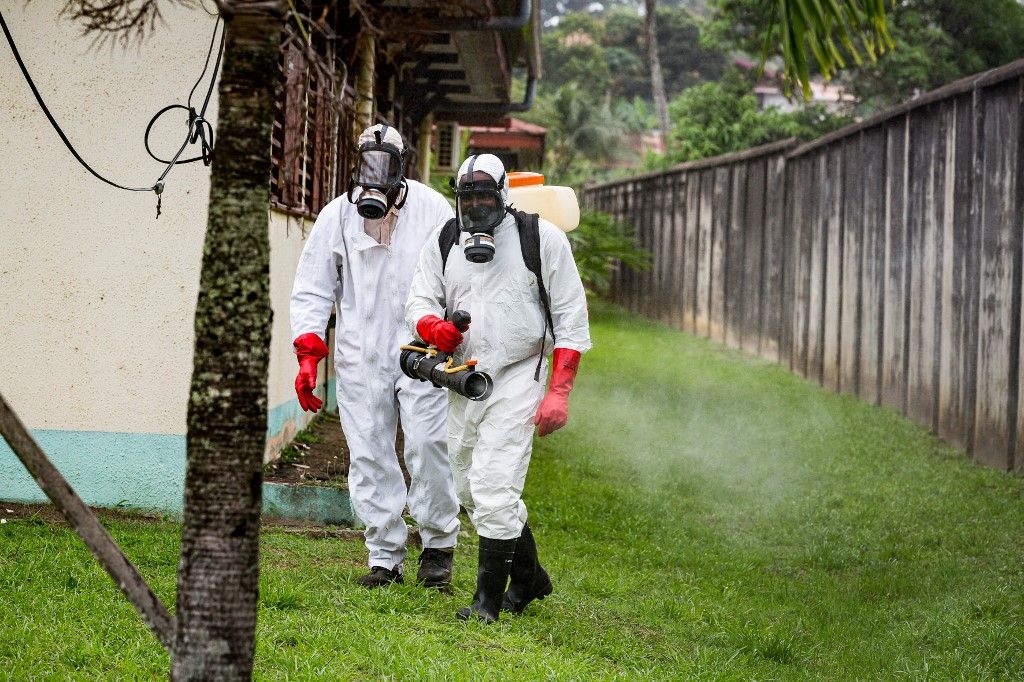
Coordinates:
[636,115]
[833,31]
[597,87]
[573,55]
[626,71]
[598,244]
[306,437]
[716,118]
[441,183]
[290,454]
[925,58]
[811,36]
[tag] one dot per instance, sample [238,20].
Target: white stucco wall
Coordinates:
[98,294]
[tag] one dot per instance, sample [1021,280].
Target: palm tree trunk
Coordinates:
[218,574]
[657,80]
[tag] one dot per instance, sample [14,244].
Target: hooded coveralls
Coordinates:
[345,269]
[490,441]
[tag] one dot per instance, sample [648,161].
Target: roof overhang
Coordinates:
[511,133]
[463,62]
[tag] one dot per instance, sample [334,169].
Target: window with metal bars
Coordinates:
[314,104]
[446,152]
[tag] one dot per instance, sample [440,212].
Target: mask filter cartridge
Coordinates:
[479,248]
[372,204]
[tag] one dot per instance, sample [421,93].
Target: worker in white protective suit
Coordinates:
[359,260]
[512,331]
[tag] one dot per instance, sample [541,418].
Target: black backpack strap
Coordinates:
[446,240]
[529,242]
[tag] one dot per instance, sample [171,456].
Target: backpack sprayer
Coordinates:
[427,363]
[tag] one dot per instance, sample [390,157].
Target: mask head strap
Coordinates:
[470,182]
[403,194]
[469,171]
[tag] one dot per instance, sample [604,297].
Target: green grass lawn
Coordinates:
[703,516]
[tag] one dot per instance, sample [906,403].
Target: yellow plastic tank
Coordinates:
[527,192]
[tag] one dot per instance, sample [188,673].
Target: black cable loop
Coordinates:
[196,121]
[196,124]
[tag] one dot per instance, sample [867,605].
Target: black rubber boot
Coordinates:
[436,567]
[529,580]
[494,564]
[380,576]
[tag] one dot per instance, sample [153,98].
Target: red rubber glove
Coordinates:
[438,332]
[553,412]
[310,349]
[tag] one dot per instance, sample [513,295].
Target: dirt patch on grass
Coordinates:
[48,513]
[319,455]
[306,530]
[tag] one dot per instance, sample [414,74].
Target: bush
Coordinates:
[598,244]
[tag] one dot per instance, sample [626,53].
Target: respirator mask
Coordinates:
[479,208]
[378,178]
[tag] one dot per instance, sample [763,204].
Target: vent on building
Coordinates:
[447,156]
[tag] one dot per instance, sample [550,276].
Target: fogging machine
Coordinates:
[427,363]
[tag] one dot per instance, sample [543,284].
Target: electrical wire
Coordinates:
[53,121]
[199,129]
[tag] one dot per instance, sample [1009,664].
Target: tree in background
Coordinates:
[574,54]
[582,132]
[635,115]
[604,59]
[721,117]
[597,85]
[654,69]
[938,41]
[608,55]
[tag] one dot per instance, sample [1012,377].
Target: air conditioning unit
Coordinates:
[446,146]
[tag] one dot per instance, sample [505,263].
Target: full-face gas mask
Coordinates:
[378,177]
[479,208]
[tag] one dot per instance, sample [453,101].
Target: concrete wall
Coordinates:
[98,295]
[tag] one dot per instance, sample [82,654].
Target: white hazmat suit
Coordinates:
[367,283]
[490,441]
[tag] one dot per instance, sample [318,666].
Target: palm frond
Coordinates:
[830,31]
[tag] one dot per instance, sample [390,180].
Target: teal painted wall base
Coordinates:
[288,418]
[308,503]
[136,470]
[132,470]
[332,395]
